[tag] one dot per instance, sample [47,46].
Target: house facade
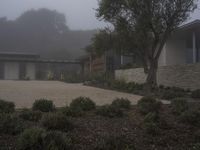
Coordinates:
[179,62]
[22,66]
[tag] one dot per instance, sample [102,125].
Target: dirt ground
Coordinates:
[24,93]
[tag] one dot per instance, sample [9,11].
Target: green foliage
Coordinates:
[195,146]
[43,105]
[31,139]
[109,111]
[114,143]
[39,139]
[72,112]
[191,117]
[6,107]
[55,140]
[148,104]
[121,103]
[196,94]
[171,94]
[83,103]
[151,123]
[179,105]
[56,121]
[30,115]
[10,124]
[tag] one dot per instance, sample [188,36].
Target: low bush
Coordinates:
[30,115]
[43,105]
[84,103]
[191,117]
[122,103]
[195,146]
[55,140]
[171,94]
[151,123]
[56,121]
[148,104]
[109,111]
[31,139]
[179,105]
[72,112]
[196,94]
[39,139]
[6,107]
[114,143]
[10,124]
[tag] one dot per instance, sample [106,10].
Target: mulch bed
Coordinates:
[91,129]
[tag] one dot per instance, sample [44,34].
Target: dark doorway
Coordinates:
[2,68]
[22,71]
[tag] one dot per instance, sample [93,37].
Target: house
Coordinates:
[108,62]
[179,62]
[183,47]
[20,66]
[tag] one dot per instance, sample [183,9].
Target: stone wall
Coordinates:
[183,76]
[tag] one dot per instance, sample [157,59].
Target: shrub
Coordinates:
[72,112]
[56,121]
[195,146]
[55,140]
[43,105]
[171,94]
[196,94]
[114,143]
[84,103]
[122,103]
[179,105]
[191,117]
[31,139]
[148,104]
[39,139]
[109,111]
[29,115]
[151,123]
[6,107]
[10,124]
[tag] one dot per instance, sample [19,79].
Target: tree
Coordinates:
[146,24]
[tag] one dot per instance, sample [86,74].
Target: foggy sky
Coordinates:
[80,14]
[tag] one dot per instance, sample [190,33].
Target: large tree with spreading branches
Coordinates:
[144,26]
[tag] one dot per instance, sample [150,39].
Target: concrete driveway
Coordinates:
[24,93]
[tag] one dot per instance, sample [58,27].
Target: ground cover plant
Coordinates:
[149,125]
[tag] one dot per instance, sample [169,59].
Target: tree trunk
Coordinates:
[151,81]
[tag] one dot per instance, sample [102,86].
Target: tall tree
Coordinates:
[146,24]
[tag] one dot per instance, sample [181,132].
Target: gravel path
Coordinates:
[24,93]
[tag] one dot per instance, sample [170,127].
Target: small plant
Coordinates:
[195,146]
[122,103]
[72,112]
[151,123]
[10,124]
[149,104]
[196,94]
[55,140]
[29,115]
[43,105]
[109,111]
[56,121]
[31,139]
[179,105]
[191,117]
[111,142]
[84,103]
[6,107]
[171,94]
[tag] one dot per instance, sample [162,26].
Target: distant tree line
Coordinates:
[44,32]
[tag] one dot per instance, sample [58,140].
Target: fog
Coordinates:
[80,14]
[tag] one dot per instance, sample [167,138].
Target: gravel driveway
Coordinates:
[24,93]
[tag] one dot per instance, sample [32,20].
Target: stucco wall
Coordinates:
[30,71]
[184,76]
[11,71]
